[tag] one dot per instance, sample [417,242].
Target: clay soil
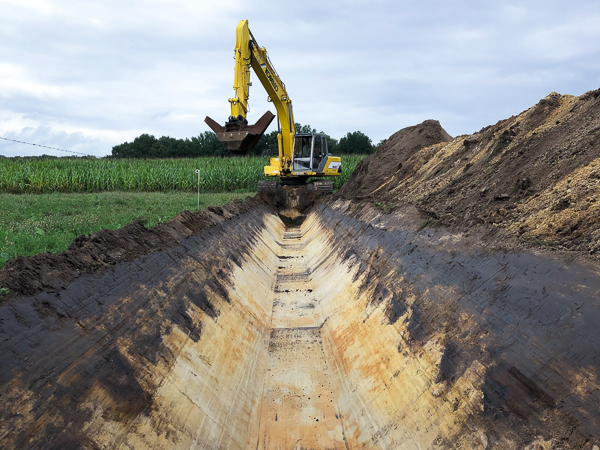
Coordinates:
[535,176]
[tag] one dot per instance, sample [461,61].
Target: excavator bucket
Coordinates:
[240,138]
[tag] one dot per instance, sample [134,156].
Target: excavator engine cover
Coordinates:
[240,138]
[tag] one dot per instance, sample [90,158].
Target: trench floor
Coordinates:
[299,406]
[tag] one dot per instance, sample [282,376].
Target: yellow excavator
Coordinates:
[301,155]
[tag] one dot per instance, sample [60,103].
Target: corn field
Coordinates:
[42,175]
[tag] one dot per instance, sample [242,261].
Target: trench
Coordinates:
[324,331]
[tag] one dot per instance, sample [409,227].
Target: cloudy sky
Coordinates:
[88,75]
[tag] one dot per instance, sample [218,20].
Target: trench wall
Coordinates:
[166,351]
[449,345]
[223,342]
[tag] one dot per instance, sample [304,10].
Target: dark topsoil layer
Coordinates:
[98,251]
[536,176]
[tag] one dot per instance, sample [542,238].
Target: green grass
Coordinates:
[43,175]
[31,224]
[82,195]
[429,223]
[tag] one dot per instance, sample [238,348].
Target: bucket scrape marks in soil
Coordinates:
[299,408]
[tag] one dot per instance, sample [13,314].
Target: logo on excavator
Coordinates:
[270,77]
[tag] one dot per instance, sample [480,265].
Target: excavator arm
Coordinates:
[240,138]
[275,88]
[237,135]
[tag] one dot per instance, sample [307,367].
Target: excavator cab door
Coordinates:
[302,152]
[318,152]
[309,151]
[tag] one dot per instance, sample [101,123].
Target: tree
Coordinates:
[267,145]
[141,147]
[206,144]
[331,142]
[305,129]
[355,142]
[381,142]
[165,147]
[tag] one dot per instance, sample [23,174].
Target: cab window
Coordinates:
[302,152]
[317,152]
[302,147]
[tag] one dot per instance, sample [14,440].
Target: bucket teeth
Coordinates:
[239,137]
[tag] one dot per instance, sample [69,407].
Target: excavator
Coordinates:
[301,155]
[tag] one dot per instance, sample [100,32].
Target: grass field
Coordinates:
[37,175]
[47,202]
[31,224]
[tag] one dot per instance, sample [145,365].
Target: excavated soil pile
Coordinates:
[392,155]
[536,175]
[295,321]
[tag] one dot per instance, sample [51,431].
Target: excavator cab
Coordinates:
[309,151]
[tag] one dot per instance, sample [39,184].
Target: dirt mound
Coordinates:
[536,175]
[52,272]
[392,155]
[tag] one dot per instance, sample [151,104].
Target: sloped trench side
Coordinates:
[438,345]
[167,351]
[338,374]
[330,333]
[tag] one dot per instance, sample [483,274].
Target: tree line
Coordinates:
[207,144]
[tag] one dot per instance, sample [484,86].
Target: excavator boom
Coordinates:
[300,156]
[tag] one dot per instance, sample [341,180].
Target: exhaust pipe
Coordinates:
[237,136]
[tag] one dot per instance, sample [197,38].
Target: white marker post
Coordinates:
[198,172]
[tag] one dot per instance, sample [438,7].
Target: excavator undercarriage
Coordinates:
[324,186]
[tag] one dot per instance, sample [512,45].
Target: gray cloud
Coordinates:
[90,75]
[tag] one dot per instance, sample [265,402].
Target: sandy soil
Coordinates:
[535,175]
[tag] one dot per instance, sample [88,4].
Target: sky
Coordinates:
[88,75]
